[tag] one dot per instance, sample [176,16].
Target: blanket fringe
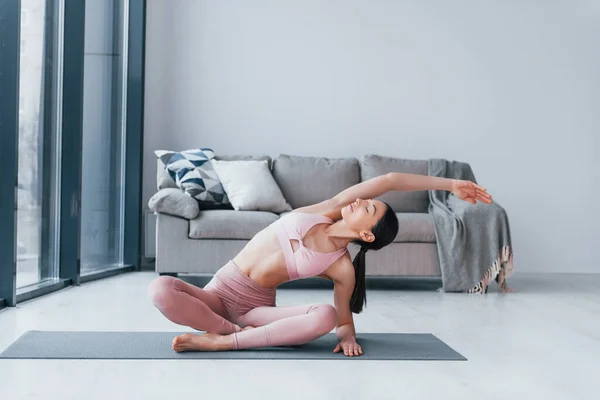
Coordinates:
[500,269]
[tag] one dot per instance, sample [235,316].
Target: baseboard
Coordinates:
[41,289]
[106,273]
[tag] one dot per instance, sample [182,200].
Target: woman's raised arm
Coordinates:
[398,181]
[368,189]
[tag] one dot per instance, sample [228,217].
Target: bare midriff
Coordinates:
[262,259]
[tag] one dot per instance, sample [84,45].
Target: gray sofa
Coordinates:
[195,241]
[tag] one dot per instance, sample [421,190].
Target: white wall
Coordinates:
[512,87]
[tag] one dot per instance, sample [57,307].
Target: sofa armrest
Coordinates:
[174,202]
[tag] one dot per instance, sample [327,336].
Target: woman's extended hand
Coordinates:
[471,192]
[350,347]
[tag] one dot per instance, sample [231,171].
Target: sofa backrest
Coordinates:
[230,157]
[372,165]
[310,180]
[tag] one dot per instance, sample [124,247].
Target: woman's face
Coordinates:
[362,216]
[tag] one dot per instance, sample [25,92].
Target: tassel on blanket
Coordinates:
[500,270]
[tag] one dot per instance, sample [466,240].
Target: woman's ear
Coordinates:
[367,236]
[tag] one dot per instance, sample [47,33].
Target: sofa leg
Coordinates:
[173,274]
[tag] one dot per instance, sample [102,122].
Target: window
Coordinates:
[71,89]
[103,166]
[38,144]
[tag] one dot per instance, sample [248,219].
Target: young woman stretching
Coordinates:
[237,307]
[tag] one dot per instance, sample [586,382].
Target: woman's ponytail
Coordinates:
[385,231]
[359,295]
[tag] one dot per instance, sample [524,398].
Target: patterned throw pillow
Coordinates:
[193,173]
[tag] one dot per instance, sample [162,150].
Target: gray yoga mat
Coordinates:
[157,346]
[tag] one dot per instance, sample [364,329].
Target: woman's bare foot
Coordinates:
[247,327]
[204,342]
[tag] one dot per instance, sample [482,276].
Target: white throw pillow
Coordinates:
[250,186]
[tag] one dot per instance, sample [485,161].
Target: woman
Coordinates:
[237,307]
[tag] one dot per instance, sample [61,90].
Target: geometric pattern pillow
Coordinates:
[193,173]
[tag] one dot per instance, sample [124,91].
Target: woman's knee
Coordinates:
[327,317]
[161,291]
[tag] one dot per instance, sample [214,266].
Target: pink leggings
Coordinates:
[231,301]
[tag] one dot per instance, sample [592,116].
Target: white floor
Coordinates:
[543,341]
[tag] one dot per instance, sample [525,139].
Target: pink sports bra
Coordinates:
[305,262]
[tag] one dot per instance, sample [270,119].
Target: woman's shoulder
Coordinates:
[341,270]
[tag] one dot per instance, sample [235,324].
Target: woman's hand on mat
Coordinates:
[470,192]
[350,347]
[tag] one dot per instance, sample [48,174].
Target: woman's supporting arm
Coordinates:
[341,273]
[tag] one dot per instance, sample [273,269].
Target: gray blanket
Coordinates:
[473,240]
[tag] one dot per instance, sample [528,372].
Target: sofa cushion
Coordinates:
[174,202]
[250,186]
[310,180]
[163,179]
[415,227]
[193,172]
[372,165]
[230,224]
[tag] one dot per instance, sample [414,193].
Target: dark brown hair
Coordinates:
[385,231]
